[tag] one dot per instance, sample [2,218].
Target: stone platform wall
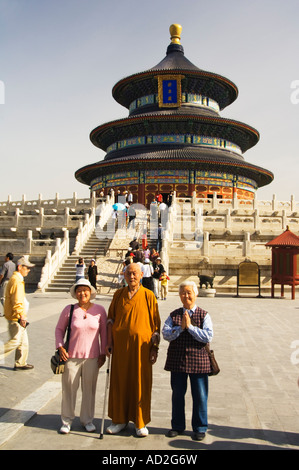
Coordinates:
[214,236]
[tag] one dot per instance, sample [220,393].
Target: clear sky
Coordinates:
[59,60]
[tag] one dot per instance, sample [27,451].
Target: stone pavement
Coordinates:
[253,402]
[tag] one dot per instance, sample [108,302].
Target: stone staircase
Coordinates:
[66,275]
[108,253]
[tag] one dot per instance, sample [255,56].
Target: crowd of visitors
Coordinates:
[154,276]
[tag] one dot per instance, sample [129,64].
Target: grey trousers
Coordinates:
[18,342]
[76,370]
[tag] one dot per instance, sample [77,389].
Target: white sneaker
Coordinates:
[142,432]
[90,427]
[65,429]
[115,428]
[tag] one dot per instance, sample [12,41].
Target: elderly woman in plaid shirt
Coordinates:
[188,329]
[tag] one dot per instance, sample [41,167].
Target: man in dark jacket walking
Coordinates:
[92,273]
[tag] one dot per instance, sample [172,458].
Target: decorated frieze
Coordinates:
[167,176]
[186,98]
[201,140]
[204,180]
[224,180]
[115,179]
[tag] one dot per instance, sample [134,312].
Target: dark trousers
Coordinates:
[199,392]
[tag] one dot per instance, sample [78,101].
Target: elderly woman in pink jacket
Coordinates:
[84,356]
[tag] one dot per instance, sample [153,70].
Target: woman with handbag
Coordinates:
[84,354]
[188,329]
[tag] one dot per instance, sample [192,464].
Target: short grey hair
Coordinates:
[189,283]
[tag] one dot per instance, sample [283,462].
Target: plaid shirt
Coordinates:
[185,353]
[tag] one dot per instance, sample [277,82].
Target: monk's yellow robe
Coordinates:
[134,322]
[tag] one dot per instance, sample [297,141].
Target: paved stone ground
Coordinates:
[253,402]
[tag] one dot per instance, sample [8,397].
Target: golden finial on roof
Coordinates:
[175,32]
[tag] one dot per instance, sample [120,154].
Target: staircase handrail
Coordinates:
[84,232]
[53,262]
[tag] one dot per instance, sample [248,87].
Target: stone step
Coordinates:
[57,289]
[67,268]
[62,281]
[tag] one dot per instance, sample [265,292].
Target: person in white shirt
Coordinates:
[80,269]
[147,278]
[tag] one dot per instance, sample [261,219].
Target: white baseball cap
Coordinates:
[23,261]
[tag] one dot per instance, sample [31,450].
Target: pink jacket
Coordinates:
[88,331]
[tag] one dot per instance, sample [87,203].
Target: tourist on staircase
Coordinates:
[80,269]
[92,273]
[147,278]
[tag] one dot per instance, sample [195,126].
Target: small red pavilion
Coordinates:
[285,261]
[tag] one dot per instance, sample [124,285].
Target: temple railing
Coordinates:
[236,216]
[242,204]
[54,261]
[73,202]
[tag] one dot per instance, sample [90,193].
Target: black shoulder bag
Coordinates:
[57,365]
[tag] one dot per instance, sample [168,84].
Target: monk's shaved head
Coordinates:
[133,275]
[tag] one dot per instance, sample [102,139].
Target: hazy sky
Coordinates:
[59,60]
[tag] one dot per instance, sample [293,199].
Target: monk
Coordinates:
[133,336]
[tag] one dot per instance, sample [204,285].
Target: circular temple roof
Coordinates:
[156,119]
[195,80]
[181,157]
[239,133]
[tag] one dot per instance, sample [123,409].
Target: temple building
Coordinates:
[174,138]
